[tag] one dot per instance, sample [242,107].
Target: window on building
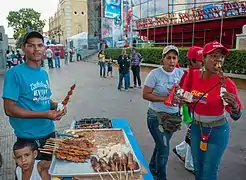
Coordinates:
[75,12]
[82,13]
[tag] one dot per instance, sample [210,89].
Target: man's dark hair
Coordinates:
[20,144]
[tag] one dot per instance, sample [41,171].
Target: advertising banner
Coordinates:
[112,8]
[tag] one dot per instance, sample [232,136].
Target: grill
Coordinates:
[93,123]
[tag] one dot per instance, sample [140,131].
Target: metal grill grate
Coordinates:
[93,123]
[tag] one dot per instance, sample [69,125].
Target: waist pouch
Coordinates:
[170,122]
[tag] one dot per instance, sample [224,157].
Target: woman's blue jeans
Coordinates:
[102,69]
[207,163]
[160,155]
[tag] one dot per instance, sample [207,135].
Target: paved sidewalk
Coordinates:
[97,97]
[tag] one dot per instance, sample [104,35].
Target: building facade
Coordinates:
[3,49]
[70,19]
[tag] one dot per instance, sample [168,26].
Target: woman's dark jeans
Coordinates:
[207,163]
[160,155]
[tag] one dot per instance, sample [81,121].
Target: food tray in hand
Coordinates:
[63,168]
[92,123]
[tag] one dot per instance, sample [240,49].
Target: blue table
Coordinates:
[123,124]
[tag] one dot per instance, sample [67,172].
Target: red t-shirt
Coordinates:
[211,104]
[186,72]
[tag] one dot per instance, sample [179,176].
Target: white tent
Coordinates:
[79,40]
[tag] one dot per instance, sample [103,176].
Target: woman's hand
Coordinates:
[231,100]
[178,100]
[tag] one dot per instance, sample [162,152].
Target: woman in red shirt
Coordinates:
[183,150]
[210,129]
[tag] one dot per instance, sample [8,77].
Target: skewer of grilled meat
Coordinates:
[104,165]
[95,164]
[112,164]
[131,164]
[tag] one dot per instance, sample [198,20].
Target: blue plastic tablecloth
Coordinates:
[123,124]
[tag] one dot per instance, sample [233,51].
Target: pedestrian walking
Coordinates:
[9,59]
[110,67]
[213,95]
[124,69]
[19,57]
[79,57]
[162,120]
[66,56]
[27,96]
[183,150]
[136,59]
[70,55]
[102,63]
[49,55]
[57,58]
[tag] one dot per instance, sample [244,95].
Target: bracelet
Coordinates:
[236,115]
[236,110]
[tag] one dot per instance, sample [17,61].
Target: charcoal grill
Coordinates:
[93,123]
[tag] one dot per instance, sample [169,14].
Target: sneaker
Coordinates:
[126,90]
[135,86]
[140,87]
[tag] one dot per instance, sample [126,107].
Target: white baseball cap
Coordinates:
[170,48]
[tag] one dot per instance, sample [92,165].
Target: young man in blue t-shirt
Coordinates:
[26,96]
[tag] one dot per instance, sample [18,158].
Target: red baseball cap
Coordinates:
[195,53]
[212,46]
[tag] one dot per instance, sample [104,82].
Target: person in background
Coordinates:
[124,69]
[1,160]
[102,61]
[79,58]
[183,150]
[163,120]
[19,57]
[70,55]
[213,95]
[57,58]
[110,67]
[66,56]
[27,96]
[25,153]
[9,59]
[49,55]
[135,67]
[14,58]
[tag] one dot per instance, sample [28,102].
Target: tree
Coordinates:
[24,20]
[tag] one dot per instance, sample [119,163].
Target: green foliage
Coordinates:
[23,19]
[235,62]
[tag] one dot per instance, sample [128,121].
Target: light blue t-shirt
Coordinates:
[162,82]
[30,88]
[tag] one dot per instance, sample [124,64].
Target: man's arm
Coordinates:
[53,105]
[12,110]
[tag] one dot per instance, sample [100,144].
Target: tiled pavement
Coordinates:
[98,97]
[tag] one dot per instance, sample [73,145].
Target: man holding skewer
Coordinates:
[26,96]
